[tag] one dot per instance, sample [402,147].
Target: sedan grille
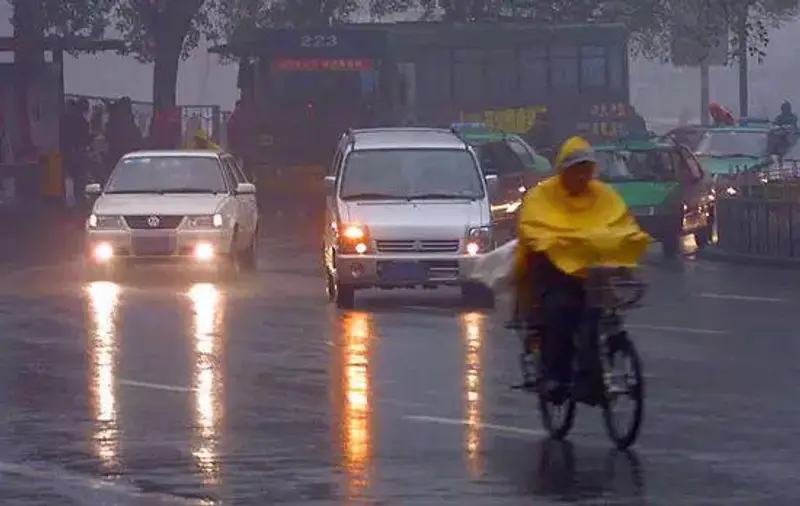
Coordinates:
[422,246]
[154,222]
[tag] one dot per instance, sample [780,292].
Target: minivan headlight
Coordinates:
[479,240]
[104,222]
[204,221]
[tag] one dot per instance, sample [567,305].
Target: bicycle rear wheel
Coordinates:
[621,350]
[557,418]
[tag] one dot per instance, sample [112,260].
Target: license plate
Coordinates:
[402,271]
[161,245]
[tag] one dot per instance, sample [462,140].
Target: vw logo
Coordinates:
[417,245]
[153,221]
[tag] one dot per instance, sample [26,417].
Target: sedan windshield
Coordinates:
[167,174]
[722,144]
[410,174]
[619,166]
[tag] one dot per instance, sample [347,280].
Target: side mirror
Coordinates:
[491,183]
[330,183]
[245,189]
[93,189]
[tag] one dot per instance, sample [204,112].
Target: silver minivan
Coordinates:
[406,208]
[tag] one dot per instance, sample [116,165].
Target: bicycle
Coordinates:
[605,305]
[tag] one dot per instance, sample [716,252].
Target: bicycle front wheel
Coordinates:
[627,385]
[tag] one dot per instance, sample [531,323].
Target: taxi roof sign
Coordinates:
[751,121]
[470,127]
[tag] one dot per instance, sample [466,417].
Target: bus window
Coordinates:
[468,78]
[533,73]
[617,73]
[434,76]
[564,68]
[593,67]
[501,75]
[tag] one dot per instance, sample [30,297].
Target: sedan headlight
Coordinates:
[204,221]
[104,222]
[479,240]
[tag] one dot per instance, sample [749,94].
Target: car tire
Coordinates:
[230,264]
[344,296]
[477,296]
[703,237]
[249,257]
[671,246]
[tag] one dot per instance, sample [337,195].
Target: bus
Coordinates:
[309,86]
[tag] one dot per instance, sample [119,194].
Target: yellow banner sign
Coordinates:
[518,120]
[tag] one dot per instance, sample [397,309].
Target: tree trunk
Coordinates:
[165,73]
[28,20]
[742,54]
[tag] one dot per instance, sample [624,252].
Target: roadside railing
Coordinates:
[760,216]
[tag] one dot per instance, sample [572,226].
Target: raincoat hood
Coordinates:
[786,107]
[575,150]
[595,229]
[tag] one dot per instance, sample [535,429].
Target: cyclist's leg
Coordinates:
[588,354]
[561,314]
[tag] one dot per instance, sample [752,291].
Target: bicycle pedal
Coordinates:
[527,386]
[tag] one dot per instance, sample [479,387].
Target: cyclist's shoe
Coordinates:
[555,392]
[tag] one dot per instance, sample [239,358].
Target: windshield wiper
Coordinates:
[372,195]
[132,192]
[736,155]
[188,190]
[434,196]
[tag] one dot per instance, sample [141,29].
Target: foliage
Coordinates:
[652,22]
[148,25]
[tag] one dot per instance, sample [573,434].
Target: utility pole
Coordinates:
[705,92]
[741,55]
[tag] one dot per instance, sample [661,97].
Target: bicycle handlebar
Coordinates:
[614,288]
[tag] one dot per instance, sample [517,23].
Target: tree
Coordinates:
[163,32]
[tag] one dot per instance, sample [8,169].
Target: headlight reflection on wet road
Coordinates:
[103,301]
[358,410]
[208,319]
[473,326]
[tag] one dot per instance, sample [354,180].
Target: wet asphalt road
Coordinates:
[162,392]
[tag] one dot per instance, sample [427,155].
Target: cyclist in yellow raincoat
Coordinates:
[568,223]
[201,141]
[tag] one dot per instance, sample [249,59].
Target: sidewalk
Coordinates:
[716,253]
[37,235]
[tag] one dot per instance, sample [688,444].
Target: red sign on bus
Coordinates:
[348,64]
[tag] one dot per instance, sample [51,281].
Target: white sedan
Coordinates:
[173,207]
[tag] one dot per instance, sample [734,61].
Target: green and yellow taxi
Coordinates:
[727,151]
[665,187]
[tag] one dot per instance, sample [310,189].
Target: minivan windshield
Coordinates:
[732,143]
[167,174]
[411,174]
[618,166]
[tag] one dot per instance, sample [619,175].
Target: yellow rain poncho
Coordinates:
[201,141]
[576,232]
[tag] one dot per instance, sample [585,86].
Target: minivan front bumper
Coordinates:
[404,270]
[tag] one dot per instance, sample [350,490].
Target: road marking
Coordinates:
[93,484]
[683,330]
[490,426]
[743,298]
[155,386]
